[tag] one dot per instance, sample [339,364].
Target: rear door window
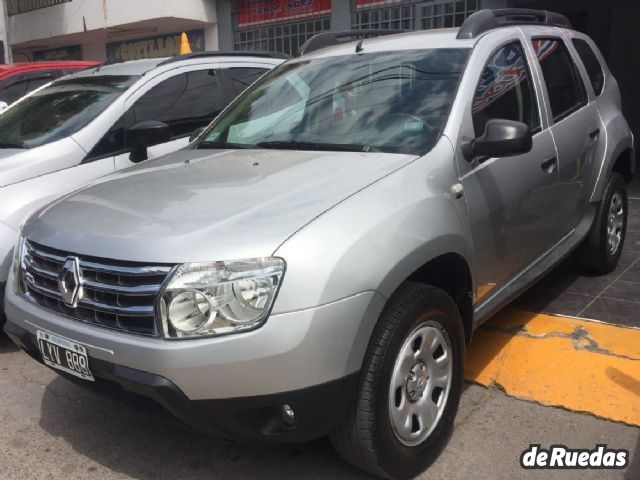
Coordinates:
[564,84]
[591,64]
[505,90]
[185,102]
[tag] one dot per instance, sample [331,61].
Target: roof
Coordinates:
[16,68]
[271,55]
[131,67]
[140,67]
[416,40]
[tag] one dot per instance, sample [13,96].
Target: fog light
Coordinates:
[288,415]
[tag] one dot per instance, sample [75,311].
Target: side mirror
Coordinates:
[147,134]
[196,133]
[502,138]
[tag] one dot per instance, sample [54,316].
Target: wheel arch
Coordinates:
[448,270]
[625,165]
[619,155]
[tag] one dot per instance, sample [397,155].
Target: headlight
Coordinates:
[16,266]
[207,299]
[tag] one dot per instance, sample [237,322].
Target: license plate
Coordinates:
[64,354]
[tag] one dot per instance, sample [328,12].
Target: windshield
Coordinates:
[394,102]
[59,110]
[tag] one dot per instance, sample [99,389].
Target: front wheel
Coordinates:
[410,386]
[601,250]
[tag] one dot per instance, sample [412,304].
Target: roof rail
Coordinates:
[485,20]
[330,39]
[243,53]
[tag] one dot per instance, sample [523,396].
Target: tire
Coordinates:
[597,254]
[369,438]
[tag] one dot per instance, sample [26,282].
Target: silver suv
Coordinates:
[316,262]
[103,119]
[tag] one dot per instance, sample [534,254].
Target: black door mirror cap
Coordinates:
[147,134]
[150,133]
[501,138]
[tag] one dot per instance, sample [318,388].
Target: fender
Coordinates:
[375,239]
[618,139]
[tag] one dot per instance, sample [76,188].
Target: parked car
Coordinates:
[18,79]
[318,260]
[97,121]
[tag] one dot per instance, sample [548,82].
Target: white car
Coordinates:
[97,121]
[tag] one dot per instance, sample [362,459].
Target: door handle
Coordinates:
[549,165]
[593,135]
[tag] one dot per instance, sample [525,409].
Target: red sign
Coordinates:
[254,12]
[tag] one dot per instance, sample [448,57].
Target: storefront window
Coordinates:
[412,14]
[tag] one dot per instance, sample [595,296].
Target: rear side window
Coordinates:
[591,64]
[564,84]
[505,90]
[185,102]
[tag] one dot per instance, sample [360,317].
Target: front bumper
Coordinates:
[291,351]
[318,410]
[233,385]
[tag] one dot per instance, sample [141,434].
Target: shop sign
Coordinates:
[255,12]
[73,52]
[166,45]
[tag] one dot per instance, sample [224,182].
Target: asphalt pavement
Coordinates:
[53,429]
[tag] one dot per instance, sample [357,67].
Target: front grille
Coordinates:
[115,294]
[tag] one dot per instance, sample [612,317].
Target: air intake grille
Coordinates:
[114,294]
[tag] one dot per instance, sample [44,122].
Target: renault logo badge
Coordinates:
[70,282]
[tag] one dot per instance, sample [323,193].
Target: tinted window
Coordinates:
[13,92]
[241,78]
[185,102]
[591,64]
[392,102]
[113,142]
[37,83]
[59,110]
[505,90]
[564,85]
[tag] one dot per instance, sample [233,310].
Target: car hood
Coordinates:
[12,164]
[205,205]
[19,164]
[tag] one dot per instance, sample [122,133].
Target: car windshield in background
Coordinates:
[59,110]
[395,102]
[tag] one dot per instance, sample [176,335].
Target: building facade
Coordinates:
[107,29]
[284,25]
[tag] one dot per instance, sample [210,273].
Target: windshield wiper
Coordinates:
[223,145]
[11,145]
[338,147]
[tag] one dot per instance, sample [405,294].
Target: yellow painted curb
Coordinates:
[580,365]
